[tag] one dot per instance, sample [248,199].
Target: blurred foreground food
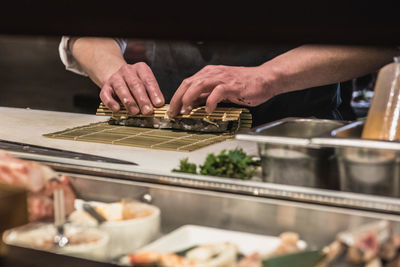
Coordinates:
[39,180]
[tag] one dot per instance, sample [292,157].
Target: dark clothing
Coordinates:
[172,62]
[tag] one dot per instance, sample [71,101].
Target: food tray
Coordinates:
[193,235]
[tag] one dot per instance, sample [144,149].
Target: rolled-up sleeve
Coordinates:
[71,63]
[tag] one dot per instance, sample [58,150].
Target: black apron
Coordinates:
[172,62]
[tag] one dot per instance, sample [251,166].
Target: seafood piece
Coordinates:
[366,242]
[83,241]
[376,262]
[253,260]
[144,258]
[394,263]
[114,212]
[18,172]
[214,255]
[364,249]
[149,258]
[37,179]
[388,250]
[332,252]
[208,255]
[288,244]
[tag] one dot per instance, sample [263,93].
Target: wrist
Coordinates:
[100,58]
[105,74]
[271,80]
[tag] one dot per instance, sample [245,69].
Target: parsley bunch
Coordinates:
[233,164]
[186,166]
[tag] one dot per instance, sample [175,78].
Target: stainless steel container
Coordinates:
[289,157]
[365,166]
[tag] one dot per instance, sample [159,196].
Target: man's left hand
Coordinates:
[213,84]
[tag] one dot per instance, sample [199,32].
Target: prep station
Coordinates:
[317,177]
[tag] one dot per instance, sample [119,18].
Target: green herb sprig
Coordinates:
[186,166]
[232,164]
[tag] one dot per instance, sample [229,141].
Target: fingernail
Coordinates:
[115,108]
[146,109]
[208,110]
[186,110]
[133,110]
[158,101]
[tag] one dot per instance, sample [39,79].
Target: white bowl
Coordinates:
[41,236]
[97,250]
[127,235]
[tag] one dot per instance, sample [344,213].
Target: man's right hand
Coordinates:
[136,88]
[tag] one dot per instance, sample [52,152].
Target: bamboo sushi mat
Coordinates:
[164,139]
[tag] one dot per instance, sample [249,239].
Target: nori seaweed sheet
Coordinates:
[184,124]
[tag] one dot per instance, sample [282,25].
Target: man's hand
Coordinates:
[213,84]
[303,67]
[135,86]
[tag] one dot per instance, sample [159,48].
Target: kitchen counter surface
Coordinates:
[28,126]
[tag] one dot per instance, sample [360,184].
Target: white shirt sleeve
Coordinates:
[68,59]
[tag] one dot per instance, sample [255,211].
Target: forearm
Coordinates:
[316,65]
[99,57]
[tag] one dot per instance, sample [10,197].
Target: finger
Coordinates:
[107,96]
[175,105]
[195,92]
[201,100]
[153,90]
[138,90]
[217,95]
[124,94]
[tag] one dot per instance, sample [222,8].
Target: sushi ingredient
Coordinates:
[31,175]
[41,236]
[184,124]
[288,244]
[365,248]
[214,255]
[186,166]
[207,255]
[40,181]
[232,164]
[113,212]
[253,260]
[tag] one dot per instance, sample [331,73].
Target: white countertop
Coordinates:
[28,126]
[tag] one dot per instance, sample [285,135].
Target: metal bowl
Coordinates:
[289,157]
[365,166]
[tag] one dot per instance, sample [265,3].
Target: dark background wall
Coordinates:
[32,75]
